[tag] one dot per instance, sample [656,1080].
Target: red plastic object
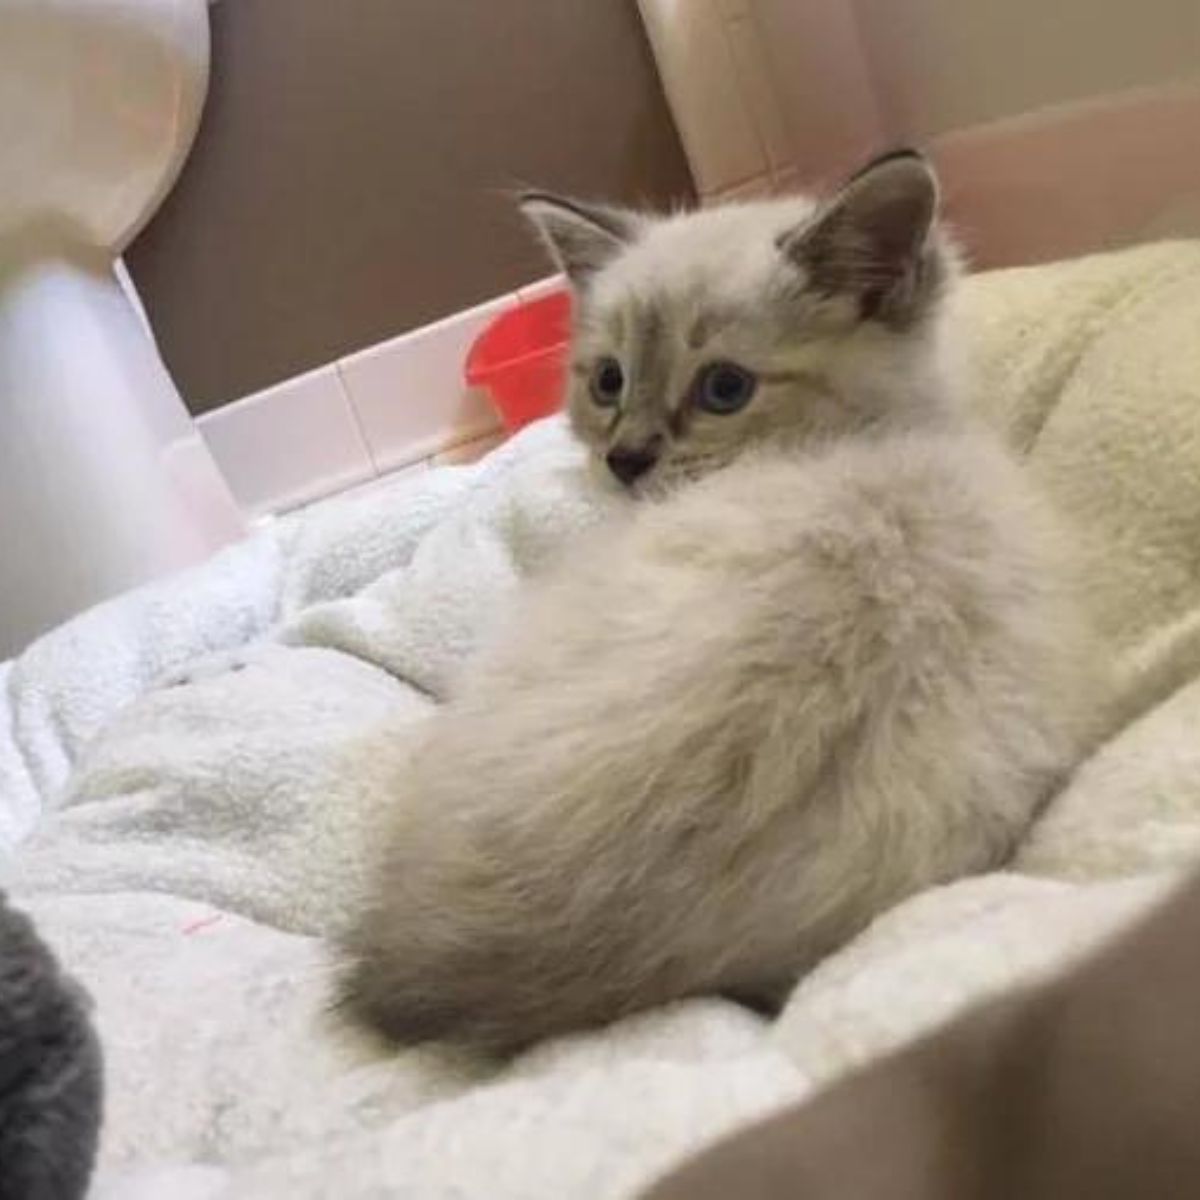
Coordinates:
[521,359]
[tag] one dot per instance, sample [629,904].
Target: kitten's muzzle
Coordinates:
[630,464]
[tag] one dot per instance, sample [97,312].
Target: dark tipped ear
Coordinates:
[581,237]
[875,240]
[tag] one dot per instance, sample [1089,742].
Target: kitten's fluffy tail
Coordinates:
[408,998]
[370,997]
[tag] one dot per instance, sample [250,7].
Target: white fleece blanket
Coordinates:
[188,849]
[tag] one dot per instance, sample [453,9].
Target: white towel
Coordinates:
[195,846]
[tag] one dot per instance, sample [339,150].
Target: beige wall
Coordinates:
[945,65]
[1059,126]
[348,181]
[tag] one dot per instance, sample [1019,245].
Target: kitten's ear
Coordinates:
[581,237]
[875,240]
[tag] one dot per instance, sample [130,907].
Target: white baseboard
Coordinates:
[389,407]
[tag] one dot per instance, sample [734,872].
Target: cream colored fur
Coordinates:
[719,739]
[751,283]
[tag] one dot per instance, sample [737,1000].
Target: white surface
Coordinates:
[302,440]
[409,392]
[389,407]
[290,443]
[212,834]
[196,844]
[90,504]
[99,100]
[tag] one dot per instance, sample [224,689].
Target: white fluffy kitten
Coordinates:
[718,740]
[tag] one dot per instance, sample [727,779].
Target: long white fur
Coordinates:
[717,740]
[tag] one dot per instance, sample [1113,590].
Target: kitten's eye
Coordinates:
[607,383]
[724,388]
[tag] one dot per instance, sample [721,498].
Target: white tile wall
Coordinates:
[398,406]
[389,477]
[288,444]
[191,466]
[409,394]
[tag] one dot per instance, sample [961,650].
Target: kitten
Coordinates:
[720,739]
[705,333]
[50,1071]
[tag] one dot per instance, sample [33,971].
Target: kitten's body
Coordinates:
[718,740]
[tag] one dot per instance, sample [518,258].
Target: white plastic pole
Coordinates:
[103,481]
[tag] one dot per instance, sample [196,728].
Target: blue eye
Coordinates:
[724,388]
[607,382]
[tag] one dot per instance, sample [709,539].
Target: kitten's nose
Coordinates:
[628,464]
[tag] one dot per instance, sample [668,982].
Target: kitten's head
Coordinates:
[702,333]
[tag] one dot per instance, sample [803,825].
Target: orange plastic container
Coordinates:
[521,359]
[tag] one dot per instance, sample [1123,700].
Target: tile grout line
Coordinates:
[356,418]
